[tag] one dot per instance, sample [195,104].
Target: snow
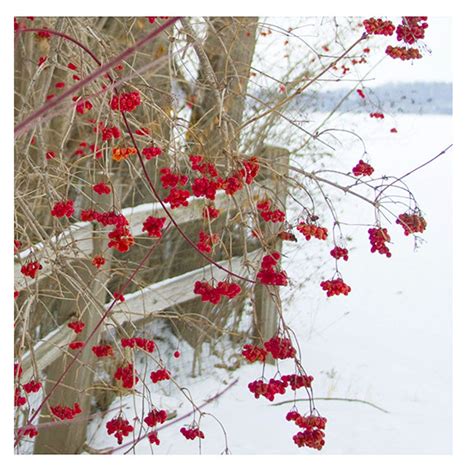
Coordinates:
[389,342]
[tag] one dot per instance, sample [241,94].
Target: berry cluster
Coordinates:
[411,223]
[379,27]
[119,154]
[127,375]
[207,241]
[210,213]
[253,353]
[151,152]
[101,188]
[296,381]
[98,261]
[403,53]
[153,226]
[63,208]
[269,215]
[177,197]
[378,115]
[213,294]
[312,230]
[411,29]
[280,348]
[335,287]
[154,417]
[108,133]
[74,346]
[153,438]
[32,386]
[120,426]
[65,412]
[362,169]
[191,433]
[145,344]
[159,375]
[30,269]
[377,238]
[29,431]
[126,101]
[18,399]
[267,390]
[170,180]
[104,350]
[121,239]
[313,434]
[339,252]
[267,274]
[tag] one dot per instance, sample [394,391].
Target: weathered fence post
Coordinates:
[267,298]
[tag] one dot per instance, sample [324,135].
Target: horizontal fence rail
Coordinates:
[141,305]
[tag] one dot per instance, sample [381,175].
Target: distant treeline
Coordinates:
[410,98]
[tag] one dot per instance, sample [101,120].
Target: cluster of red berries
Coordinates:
[145,344]
[285,235]
[126,101]
[120,154]
[74,346]
[127,375]
[403,53]
[170,180]
[313,434]
[296,381]
[153,226]
[19,400]
[30,269]
[118,296]
[119,427]
[213,294]
[379,27]
[267,274]
[362,169]
[312,230]
[191,433]
[280,348]
[160,375]
[378,115]
[29,431]
[63,208]
[411,223]
[412,29]
[154,417]
[253,353]
[177,198]
[82,106]
[207,241]
[101,188]
[335,287]
[108,133]
[267,390]
[269,215]
[98,261]
[153,438]
[378,237]
[65,412]
[210,213]
[339,252]
[151,152]
[120,238]
[104,350]
[32,386]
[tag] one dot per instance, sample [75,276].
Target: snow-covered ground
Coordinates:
[389,342]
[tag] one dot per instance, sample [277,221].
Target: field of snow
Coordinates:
[389,342]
